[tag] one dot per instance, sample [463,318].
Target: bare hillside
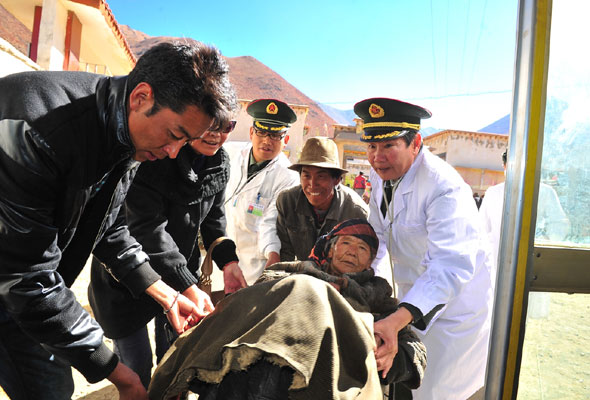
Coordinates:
[251,78]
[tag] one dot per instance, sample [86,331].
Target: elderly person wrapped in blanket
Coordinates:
[308,335]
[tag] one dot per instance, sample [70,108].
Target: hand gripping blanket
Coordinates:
[300,322]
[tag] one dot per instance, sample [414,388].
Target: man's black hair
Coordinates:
[334,173]
[409,137]
[504,157]
[187,74]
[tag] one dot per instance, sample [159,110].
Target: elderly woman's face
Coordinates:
[350,254]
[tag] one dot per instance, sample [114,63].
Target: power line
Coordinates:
[452,95]
[432,42]
[462,95]
[464,44]
[483,15]
[447,48]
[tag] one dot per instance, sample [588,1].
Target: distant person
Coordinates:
[477,199]
[360,183]
[259,172]
[315,206]
[169,204]
[424,215]
[70,146]
[367,194]
[552,225]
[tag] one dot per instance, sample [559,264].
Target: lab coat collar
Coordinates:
[246,160]
[406,185]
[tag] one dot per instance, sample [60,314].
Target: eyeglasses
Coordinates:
[226,130]
[276,136]
[230,127]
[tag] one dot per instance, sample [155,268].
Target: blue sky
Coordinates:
[455,57]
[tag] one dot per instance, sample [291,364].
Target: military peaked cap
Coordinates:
[385,119]
[271,115]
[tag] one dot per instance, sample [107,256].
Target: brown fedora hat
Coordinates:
[319,152]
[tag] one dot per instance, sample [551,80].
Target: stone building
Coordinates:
[477,156]
[352,152]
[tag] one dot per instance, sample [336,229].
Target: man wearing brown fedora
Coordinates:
[319,203]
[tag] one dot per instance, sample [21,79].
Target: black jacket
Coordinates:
[65,167]
[169,202]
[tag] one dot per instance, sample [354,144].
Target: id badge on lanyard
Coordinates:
[257,208]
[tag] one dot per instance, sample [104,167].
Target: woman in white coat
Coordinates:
[424,215]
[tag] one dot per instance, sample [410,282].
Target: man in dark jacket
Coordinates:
[319,203]
[69,146]
[168,204]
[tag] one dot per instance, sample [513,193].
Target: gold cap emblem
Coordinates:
[272,108]
[376,111]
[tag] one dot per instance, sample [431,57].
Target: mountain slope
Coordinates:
[251,79]
[344,117]
[500,126]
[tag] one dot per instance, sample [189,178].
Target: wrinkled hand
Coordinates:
[366,197]
[200,298]
[386,351]
[386,333]
[127,383]
[378,341]
[273,258]
[233,278]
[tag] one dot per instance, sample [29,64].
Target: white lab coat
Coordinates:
[490,212]
[440,257]
[552,224]
[250,208]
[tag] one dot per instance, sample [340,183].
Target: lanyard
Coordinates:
[389,207]
[239,188]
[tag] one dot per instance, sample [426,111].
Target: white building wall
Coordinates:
[438,144]
[52,34]
[13,61]
[476,150]
[296,138]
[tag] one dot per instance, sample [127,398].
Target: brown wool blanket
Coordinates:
[329,345]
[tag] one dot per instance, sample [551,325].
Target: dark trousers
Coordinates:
[135,350]
[27,370]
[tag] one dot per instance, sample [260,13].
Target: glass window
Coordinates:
[563,213]
[556,351]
